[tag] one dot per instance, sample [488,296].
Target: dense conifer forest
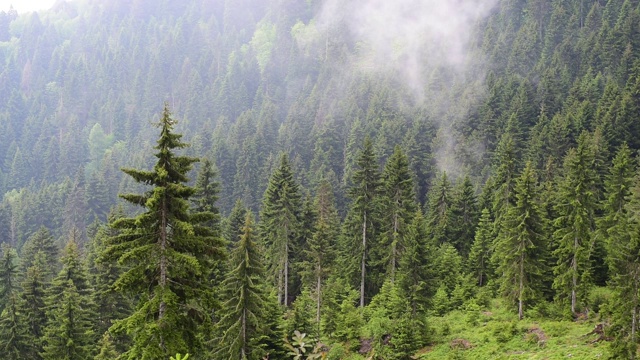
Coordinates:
[289,179]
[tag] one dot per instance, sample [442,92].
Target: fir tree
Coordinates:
[576,203]
[439,211]
[32,304]
[415,273]
[243,321]
[464,216]
[107,348]
[167,254]
[400,204]
[13,335]
[69,333]
[40,241]
[621,226]
[321,247]
[480,254]
[362,220]
[235,223]
[521,248]
[280,224]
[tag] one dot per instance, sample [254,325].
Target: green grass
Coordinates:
[497,334]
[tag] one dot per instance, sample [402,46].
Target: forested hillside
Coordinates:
[368,171]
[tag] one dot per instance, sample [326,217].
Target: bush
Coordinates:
[505,332]
[337,352]
[599,298]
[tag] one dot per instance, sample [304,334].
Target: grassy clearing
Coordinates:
[497,334]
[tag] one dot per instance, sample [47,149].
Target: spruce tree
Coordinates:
[480,254]
[107,348]
[399,206]
[13,333]
[69,332]
[521,248]
[576,204]
[43,241]
[321,247]
[280,221]
[415,275]
[439,221]
[621,228]
[464,215]
[242,326]
[32,304]
[362,221]
[167,254]
[111,305]
[235,223]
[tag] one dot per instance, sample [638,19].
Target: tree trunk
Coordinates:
[521,289]
[244,334]
[286,266]
[318,293]
[574,279]
[364,258]
[163,263]
[394,247]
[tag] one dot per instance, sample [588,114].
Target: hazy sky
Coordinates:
[26,5]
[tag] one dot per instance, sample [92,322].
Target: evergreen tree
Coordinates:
[621,227]
[111,305]
[464,215]
[33,306]
[235,223]
[69,333]
[107,348]
[280,224]
[415,272]
[13,333]
[521,248]
[243,321]
[362,220]
[40,241]
[166,253]
[576,203]
[399,207]
[480,254]
[439,221]
[321,247]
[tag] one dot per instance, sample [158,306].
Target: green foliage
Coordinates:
[576,204]
[167,254]
[69,333]
[299,348]
[243,327]
[280,225]
[520,247]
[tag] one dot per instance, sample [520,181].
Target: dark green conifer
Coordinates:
[280,221]
[167,254]
[69,333]
[575,206]
[439,219]
[14,341]
[480,254]
[399,207]
[464,216]
[362,221]
[243,323]
[520,250]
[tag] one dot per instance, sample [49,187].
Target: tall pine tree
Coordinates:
[167,253]
[280,224]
